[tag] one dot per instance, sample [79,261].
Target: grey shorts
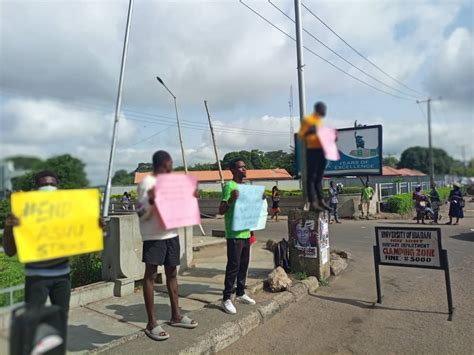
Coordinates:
[161,252]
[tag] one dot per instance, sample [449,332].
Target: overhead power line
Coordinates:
[360,54]
[322,58]
[343,58]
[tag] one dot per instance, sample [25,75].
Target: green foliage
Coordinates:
[301,275]
[324,283]
[86,269]
[25,162]
[402,203]
[390,161]
[11,274]
[4,210]
[122,178]
[418,158]
[70,172]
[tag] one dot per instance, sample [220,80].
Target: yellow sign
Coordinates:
[55,224]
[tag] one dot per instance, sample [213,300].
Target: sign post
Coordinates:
[411,247]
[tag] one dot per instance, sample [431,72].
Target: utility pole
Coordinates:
[221,175]
[118,105]
[301,90]
[464,162]
[430,146]
[292,128]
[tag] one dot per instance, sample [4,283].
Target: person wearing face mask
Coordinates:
[43,279]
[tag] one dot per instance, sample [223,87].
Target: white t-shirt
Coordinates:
[151,227]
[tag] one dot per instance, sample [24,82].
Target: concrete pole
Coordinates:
[118,105]
[221,175]
[301,90]
[430,147]
[185,164]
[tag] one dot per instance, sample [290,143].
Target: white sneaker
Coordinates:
[245,299]
[229,307]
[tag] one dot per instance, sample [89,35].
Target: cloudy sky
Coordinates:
[60,61]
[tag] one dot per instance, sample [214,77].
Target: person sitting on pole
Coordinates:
[315,159]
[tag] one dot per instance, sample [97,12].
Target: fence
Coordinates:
[10,301]
[387,189]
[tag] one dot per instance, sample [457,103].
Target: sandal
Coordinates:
[185,322]
[157,333]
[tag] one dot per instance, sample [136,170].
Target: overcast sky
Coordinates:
[60,62]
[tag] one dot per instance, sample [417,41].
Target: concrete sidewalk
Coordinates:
[107,323]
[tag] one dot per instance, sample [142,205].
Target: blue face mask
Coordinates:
[48,188]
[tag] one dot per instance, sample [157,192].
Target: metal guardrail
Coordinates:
[10,290]
[388,189]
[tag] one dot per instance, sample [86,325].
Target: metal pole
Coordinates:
[118,105]
[292,129]
[221,175]
[180,136]
[301,89]
[429,142]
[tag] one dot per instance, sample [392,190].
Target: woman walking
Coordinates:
[275,203]
[456,204]
[420,204]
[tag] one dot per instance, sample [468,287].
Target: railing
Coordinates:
[11,299]
[388,189]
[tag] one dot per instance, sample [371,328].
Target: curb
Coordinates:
[228,333]
[221,337]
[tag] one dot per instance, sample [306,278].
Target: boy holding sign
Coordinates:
[48,277]
[238,242]
[160,247]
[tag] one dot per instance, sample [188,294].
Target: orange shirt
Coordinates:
[311,140]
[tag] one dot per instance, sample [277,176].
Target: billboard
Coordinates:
[360,149]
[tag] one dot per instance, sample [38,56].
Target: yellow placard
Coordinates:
[55,224]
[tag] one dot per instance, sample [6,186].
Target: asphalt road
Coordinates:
[341,318]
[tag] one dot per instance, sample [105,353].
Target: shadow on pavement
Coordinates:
[77,334]
[136,312]
[372,305]
[209,273]
[464,236]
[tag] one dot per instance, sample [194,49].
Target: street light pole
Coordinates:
[301,90]
[118,105]
[177,121]
[430,146]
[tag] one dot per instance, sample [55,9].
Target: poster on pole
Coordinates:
[56,224]
[416,247]
[360,150]
[248,207]
[176,201]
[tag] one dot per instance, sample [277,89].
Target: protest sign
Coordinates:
[248,207]
[327,137]
[56,224]
[409,246]
[262,221]
[175,200]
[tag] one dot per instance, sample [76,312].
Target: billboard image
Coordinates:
[360,149]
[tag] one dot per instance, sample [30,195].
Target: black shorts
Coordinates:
[161,252]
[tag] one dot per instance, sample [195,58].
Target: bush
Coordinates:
[4,210]
[402,203]
[86,269]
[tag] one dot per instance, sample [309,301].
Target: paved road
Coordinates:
[413,318]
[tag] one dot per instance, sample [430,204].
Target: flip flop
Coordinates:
[157,333]
[185,322]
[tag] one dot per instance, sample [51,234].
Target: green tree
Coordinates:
[143,168]
[22,162]
[70,171]
[122,178]
[418,158]
[390,161]
[255,159]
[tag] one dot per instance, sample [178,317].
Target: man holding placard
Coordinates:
[44,229]
[238,241]
[160,247]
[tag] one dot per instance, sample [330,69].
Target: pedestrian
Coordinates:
[456,204]
[43,279]
[366,197]
[125,201]
[420,204]
[333,195]
[435,202]
[315,159]
[275,203]
[160,247]
[238,242]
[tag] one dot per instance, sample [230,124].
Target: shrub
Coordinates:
[402,203]
[4,210]
[86,269]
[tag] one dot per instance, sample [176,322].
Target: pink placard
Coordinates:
[175,200]
[327,137]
